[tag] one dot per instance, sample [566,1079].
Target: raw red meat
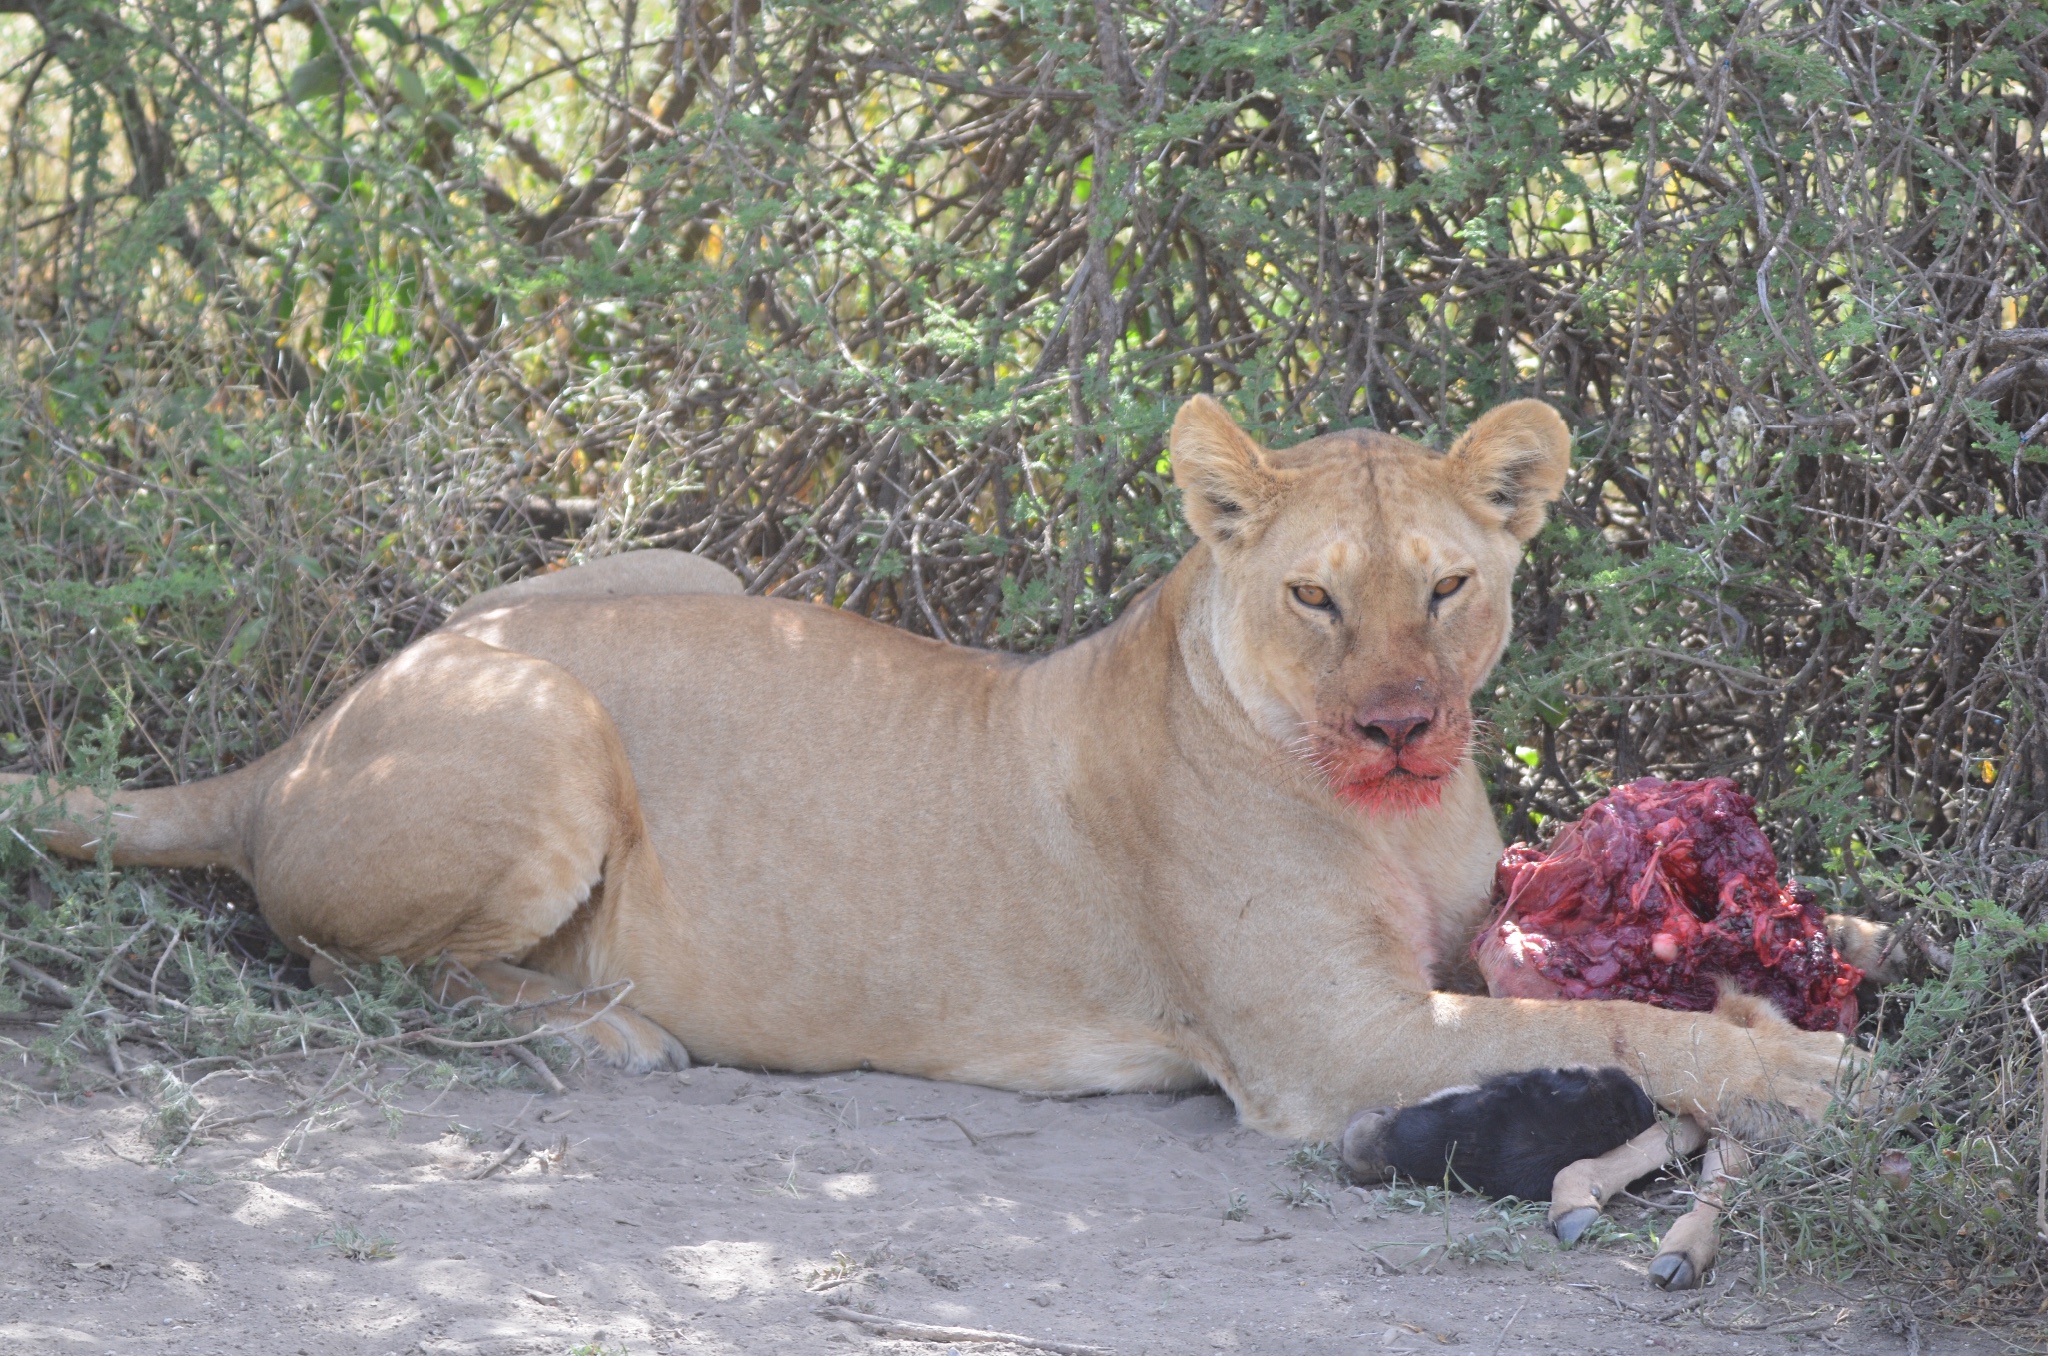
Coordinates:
[1659,891]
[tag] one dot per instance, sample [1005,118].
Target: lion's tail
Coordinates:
[199,824]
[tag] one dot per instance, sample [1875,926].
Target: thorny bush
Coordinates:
[321,317]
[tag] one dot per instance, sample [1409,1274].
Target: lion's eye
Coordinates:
[1448,586]
[1308,595]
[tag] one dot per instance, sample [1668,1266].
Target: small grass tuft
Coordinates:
[357,1246]
[176,1112]
[1496,1243]
[1302,1195]
[1317,1160]
[1412,1198]
[848,1273]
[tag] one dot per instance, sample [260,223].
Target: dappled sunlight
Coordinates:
[1106,1227]
[265,1205]
[727,1270]
[849,1186]
[42,1337]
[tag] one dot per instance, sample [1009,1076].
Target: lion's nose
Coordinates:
[1394,729]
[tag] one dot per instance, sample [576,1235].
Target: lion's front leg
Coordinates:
[1741,1069]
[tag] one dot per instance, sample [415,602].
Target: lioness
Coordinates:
[1229,839]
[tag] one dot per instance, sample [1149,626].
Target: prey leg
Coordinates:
[1689,1247]
[1582,1190]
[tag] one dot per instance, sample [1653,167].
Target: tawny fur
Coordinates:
[1169,854]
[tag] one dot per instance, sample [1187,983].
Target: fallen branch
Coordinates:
[140,1163]
[1938,956]
[201,1125]
[932,1332]
[498,1160]
[539,1067]
[50,984]
[1795,1325]
[1669,1313]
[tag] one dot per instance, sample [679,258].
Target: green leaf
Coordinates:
[246,638]
[383,24]
[410,87]
[315,77]
[455,60]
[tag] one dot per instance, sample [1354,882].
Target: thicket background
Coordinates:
[319,318]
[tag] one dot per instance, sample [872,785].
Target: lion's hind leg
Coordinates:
[596,1020]
[470,807]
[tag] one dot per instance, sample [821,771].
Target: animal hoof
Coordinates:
[1573,1223]
[1673,1271]
[1361,1149]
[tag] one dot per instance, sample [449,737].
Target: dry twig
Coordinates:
[932,1332]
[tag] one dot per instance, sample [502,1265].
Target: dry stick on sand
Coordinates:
[931,1332]
[973,1139]
[538,1066]
[498,1160]
[1509,1324]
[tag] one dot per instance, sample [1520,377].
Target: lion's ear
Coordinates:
[1513,463]
[1224,482]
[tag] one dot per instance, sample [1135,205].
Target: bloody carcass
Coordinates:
[1662,891]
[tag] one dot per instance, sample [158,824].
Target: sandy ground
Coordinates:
[721,1211]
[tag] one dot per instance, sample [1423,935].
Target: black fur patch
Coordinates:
[1513,1133]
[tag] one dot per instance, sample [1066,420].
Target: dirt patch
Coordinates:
[721,1210]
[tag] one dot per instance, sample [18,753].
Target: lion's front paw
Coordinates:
[1762,1074]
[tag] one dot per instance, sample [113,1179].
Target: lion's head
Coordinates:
[1364,583]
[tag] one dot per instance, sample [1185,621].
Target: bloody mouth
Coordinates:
[1394,790]
[1382,781]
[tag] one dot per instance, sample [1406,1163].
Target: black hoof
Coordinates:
[1572,1223]
[1673,1271]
